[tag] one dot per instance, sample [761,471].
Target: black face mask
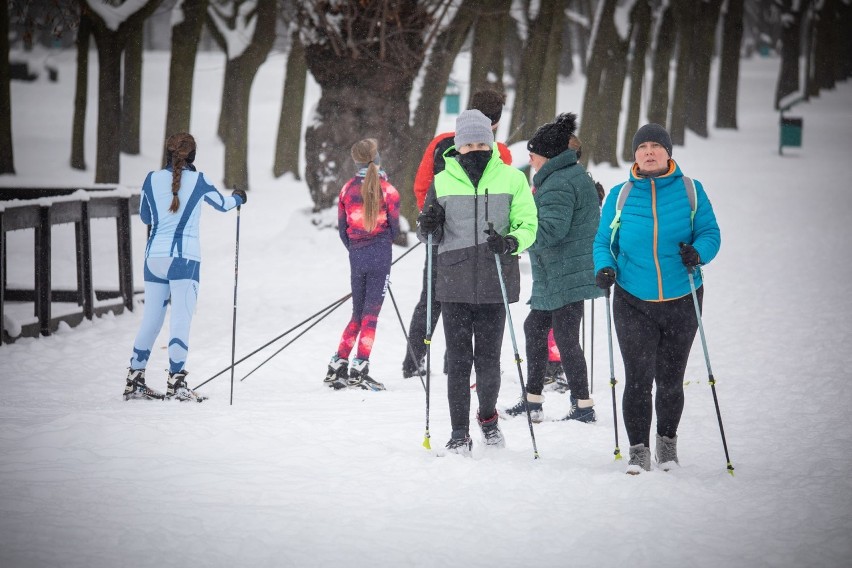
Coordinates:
[474,163]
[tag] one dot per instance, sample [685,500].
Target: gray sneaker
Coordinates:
[666,452]
[640,459]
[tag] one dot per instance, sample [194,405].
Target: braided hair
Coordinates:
[365,152]
[180,152]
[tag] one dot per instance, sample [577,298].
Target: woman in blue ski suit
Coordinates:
[171,205]
[647,258]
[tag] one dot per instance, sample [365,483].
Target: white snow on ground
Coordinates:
[293,474]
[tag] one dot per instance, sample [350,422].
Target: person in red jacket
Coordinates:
[490,103]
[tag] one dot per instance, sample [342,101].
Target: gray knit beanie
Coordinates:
[472,127]
[653,133]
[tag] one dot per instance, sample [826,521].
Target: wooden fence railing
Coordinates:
[39,209]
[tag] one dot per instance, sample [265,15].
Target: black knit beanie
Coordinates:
[653,133]
[551,139]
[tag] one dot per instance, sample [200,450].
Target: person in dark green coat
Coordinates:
[563,271]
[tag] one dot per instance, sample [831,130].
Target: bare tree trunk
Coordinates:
[702,56]
[486,59]
[604,87]
[292,103]
[131,105]
[537,62]
[110,44]
[444,51]
[685,13]
[7,157]
[640,18]
[185,38]
[658,103]
[791,48]
[545,108]
[239,76]
[825,52]
[81,93]
[729,66]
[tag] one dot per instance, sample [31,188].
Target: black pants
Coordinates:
[566,332]
[474,334]
[417,327]
[655,339]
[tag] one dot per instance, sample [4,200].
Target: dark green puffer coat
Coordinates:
[568,217]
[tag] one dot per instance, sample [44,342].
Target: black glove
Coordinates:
[431,219]
[500,244]
[241,193]
[605,278]
[689,256]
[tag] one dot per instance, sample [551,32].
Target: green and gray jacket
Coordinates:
[568,217]
[467,271]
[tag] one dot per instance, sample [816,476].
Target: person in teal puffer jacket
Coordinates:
[562,267]
[647,258]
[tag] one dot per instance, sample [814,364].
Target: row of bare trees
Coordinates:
[644,60]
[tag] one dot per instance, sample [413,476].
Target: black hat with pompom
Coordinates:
[551,139]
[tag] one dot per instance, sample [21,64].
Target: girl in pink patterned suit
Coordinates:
[368,221]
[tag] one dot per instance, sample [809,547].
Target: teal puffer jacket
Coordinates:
[568,215]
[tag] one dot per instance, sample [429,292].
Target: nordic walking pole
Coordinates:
[592,347]
[234,323]
[709,370]
[518,359]
[303,332]
[405,333]
[428,339]
[612,380]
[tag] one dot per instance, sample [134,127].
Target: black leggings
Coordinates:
[655,339]
[474,334]
[566,331]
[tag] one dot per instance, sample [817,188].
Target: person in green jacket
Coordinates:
[563,271]
[479,211]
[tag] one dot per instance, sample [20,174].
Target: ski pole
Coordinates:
[592,347]
[298,325]
[234,323]
[270,342]
[303,332]
[612,380]
[709,370]
[428,339]
[405,333]
[518,359]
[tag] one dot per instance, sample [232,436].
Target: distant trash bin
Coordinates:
[791,132]
[452,102]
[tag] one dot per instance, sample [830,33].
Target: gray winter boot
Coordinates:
[666,452]
[640,459]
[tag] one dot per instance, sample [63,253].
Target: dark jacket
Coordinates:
[568,215]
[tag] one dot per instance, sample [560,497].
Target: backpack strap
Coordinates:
[625,192]
[619,205]
[693,201]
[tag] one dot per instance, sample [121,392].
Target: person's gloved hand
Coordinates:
[605,278]
[431,219]
[500,244]
[241,193]
[689,256]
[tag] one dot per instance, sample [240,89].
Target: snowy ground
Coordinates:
[293,474]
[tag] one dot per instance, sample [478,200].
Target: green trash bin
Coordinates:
[452,98]
[791,132]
